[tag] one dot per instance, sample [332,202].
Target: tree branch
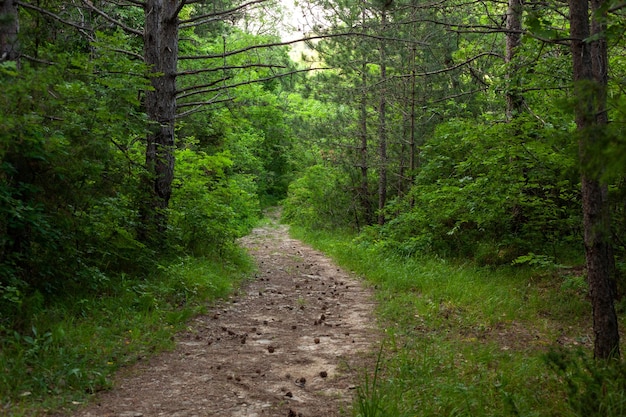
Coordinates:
[182,4]
[80,28]
[132,3]
[190,90]
[116,22]
[217,15]
[201,106]
[231,67]
[125,52]
[286,43]
[257,80]
[452,68]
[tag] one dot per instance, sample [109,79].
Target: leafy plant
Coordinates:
[318,199]
[594,388]
[210,208]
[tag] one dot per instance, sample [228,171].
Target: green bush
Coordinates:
[210,207]
[594,388]
[68,177]
[319,199]
[490,192]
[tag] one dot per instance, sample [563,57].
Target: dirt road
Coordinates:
[291,343]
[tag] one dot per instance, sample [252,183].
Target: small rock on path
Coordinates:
[290,344]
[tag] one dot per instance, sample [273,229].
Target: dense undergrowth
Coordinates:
[74,346]
[464,340]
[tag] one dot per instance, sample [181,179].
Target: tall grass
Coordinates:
[74,345]
[463,340]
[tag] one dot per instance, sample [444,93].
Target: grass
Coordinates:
[463,340]
[74,346]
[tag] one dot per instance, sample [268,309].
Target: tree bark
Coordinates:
[161,54]
[9,28]
[589,58]
[365,194]
[382,127]
[514,100]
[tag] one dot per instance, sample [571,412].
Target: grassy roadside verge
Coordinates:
[468,341]
[75,345]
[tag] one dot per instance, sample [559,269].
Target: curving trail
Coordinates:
[292,343]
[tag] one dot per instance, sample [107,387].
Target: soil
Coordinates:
[290,343]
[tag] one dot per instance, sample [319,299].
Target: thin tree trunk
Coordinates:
[600,68]
[413,157]
[365,197]
[9,28]
[161,54]
[589,71]
[382,128]
[514,99]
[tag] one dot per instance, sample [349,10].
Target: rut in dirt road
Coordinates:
[292,343]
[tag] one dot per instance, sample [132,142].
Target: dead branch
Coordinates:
[257,80]
[230,67]
[286,43]
[209,17]
[82,29]
[116,22]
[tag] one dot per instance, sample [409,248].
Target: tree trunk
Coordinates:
[9,28]
[514,100]
[382,128]
[590,82]
[161,54]
[365,194]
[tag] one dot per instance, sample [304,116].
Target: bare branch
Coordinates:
[257,80]
[82,29]
[452,68]
[132,3]
[218,15]
[231,67]
[202,106]
[190,90]
[38,60]
[178,9]
[286,43]
[125,52]
[465,93]
[124,27]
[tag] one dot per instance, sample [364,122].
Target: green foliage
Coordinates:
[318,199]
[594,388]
[66,175]
[371,400]
[209,207]
[492,192]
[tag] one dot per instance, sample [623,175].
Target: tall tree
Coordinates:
[514,100]
[9,26]
[161,55]
[382,119]
[589,58]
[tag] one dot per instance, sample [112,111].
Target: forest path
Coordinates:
[290,343]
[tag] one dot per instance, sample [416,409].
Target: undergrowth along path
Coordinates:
[290,343]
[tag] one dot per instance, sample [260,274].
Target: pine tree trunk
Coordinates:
[589,71]
[365,197]
[161,54]
[382,129]
[514,99]
[9,28]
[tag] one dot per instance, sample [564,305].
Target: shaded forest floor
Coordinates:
[290,343]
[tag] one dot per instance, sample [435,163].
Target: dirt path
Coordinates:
[289,345]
